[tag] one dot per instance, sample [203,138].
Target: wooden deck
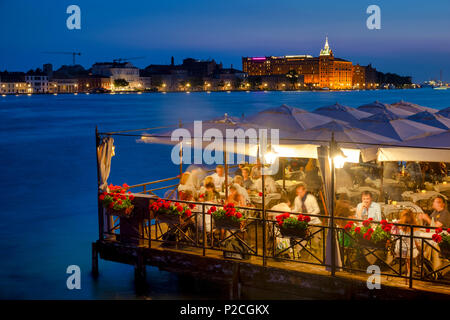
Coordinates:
[287,278]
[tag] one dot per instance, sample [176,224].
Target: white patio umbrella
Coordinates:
[431,119]
[343,132]
[441,140]
[412,107]
[340,112]
[445,112]
[287,118]
[377,107]
[390,125]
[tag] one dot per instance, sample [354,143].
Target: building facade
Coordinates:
[118,71]
[37,81]
[324,71]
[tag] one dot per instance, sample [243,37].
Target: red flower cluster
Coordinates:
[230,211]
[304,218]
[211,210]
[116,196]
[280,218]
[368,234]
[170,207]
[349,226]
[367,222]
[436,237]
[386,226]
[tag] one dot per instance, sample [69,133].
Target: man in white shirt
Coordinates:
[306,203]
[367,208]
[219,178]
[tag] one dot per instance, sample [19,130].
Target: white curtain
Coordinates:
[104,154]
[325,169]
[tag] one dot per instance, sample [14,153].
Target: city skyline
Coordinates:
[227,32]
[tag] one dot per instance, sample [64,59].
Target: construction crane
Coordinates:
[65,52]
[119,60]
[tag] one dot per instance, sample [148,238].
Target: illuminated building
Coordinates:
[324,71]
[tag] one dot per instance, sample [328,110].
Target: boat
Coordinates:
[440,88]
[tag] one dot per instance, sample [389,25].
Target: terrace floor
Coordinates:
[286,277]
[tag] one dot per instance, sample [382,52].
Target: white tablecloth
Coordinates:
[416,196]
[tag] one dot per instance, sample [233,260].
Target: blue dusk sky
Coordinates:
[414,38]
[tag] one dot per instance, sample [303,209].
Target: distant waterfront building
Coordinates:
[118,70]
[37,81]
[63,86]
[92,82]
[13,83]
[324,71]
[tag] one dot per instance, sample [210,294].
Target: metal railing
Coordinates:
[260,241]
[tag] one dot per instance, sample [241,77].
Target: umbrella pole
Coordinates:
[181,161]
[284,176]
[333,244]
[382,198]
[226,170]
[263,203]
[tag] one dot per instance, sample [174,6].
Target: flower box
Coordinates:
[123,213]
[170,212]
[445,251]
[169,218]
[370,244]
[229,224]
[293,227]
[293,233]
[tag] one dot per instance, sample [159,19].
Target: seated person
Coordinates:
[247,183]
[184,187]
[305,202]
[269,184]
[440,215]
[211,195]
[238,171]
[219,178]
[406,217]
[207,180]
[238,181]
[367,208]
[343,209]
[235,197]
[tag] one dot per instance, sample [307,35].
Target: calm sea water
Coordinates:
[48,216]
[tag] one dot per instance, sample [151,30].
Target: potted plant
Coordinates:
[293,227]
[368,235]
[228,217]
[442,238]
[117,201]
[171,212]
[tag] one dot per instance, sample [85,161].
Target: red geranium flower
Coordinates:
[260,194]
[438,230]
[102,197]
[191,205]
[188,213]
[358,229]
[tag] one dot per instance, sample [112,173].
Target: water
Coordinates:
[48,174]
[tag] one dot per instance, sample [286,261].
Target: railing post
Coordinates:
[204,229]
[411,257]
[99,206]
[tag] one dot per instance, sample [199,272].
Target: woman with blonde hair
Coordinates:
[402,247]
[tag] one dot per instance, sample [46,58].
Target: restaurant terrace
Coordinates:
[356,193]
